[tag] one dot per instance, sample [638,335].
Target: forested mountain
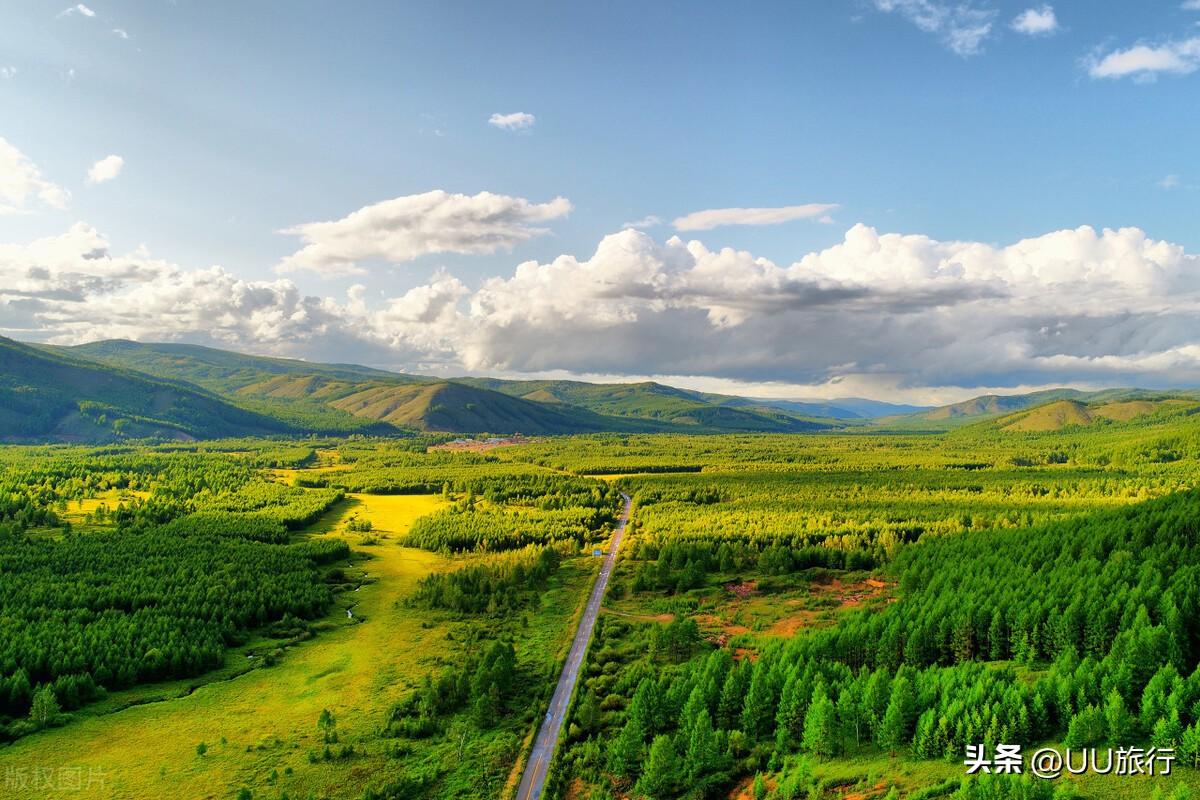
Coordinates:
[275,395]
[1061,413]
[221,371]
[656,401]
[45,396]
[347,398]
[1049,409]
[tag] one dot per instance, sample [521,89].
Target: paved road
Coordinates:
[534,777]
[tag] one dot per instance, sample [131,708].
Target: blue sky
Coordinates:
[235,121]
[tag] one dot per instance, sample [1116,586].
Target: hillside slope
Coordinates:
[1124,403]
[1060,414]
[221,371]
[45,396]
[460,408]
[228,374]
[657,402]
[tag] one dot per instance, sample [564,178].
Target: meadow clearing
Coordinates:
[263,723]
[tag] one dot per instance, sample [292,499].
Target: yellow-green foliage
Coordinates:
[267,717]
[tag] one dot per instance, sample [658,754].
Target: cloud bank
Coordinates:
[1112,307]
[406,228]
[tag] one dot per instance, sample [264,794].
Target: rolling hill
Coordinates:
[47,396]
[1060,414]
[1070,406]
[220,371]
[120,389]
[345,398]
[658,402]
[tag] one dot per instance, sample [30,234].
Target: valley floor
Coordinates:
[263,721]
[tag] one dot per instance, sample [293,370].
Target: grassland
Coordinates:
[265,720]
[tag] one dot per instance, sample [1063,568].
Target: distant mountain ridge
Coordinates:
[350,398]
[48,396]
[112,390]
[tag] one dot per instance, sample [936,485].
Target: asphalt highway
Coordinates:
[540,756]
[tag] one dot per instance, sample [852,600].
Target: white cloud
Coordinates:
[905,314]
[21,182]
[960,26]
[1170,182]
[408,227]
[922,312]
[80,9]
[1038,21]
[8,73]
[1144,62]
[105,169]
[120,33]
[516,121]
[716,217]
[1190,5]
[648,221]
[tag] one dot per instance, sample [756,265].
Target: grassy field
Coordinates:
[263,722]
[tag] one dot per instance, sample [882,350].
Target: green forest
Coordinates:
[816,616]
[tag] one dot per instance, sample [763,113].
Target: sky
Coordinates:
[910,200]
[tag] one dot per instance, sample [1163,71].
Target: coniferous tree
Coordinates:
[820,724]
[661,773]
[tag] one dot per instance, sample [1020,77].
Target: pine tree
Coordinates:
[588,714]
[1119,721]
[661,773]
[644,708]
[1168,731]
[756,711]
[702,754]
[625,753]
[894,729]
[789,719]
[820,724]
[759,789]
[849,709]
[1189,746]
[732,696]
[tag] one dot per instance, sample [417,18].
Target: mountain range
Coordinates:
[112,390]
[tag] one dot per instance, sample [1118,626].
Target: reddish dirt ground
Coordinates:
[742,590]
[479,445]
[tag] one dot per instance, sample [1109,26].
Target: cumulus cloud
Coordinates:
[878,309]
[105,169]
[408,227]
[1145,62]
[516,121]
[1056,308]
[717,217]
[1038,21]
[961,26]
[21,182]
